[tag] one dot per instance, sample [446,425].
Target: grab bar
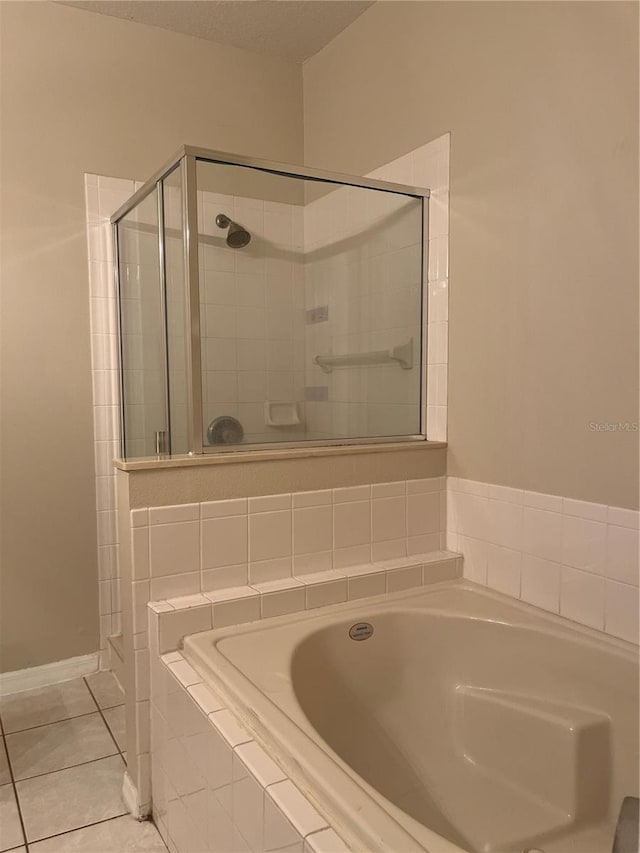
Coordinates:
[402,355]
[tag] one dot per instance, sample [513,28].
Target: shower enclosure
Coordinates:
[262,304]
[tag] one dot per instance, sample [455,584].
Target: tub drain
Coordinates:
[361,631]
[533,850]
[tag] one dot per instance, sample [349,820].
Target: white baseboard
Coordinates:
[50,673]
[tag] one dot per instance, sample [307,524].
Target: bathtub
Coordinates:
[442,719]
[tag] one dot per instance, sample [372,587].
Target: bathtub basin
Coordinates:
[465,722]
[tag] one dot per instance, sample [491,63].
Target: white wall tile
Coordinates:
[230,728]
[621,611]
[278,603]
[179,512]
[183,672]
[388,519]
[174,548]
[541,583]
[363,586]
[432,484]
[225,577]
[139,517]
[259,764]
[474,552]
[205,698]
[279,833]
[503,570]
[173,626]
[352,524]
[623,554]
[351,556]
[248,808]
[296,808]
[424,543]
[236,612]
[505,493]
[317,498]
[304,564]
[471,514]
[351,493]
[585,509]
[270,503]
[542,534]
[584,544]
[423,513]
[312,529]
[389,549]
[623,517]
[582,597]
[170,586]
[388,490]
[140,552]
[265,571]
[324,841]
[404,578]
[218,509]
[269,535]
[551,503]
[224,541]
[324,594]
[505,522]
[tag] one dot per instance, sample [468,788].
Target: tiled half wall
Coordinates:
[214,787]
[571,557]
[190,548]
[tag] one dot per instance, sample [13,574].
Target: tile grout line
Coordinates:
[13,785]
[79,828]
[70,767]
[117,745]
[54,722]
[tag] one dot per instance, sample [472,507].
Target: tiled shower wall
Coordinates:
[362,259]
[428,166]
[363,267]
[252,307]
[103,197]
[570,557]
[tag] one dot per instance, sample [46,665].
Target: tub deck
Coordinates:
[465,722]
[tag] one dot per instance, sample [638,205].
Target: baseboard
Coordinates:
[49,673]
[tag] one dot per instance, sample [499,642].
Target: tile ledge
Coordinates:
[241,593]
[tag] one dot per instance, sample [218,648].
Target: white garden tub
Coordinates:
[466,721]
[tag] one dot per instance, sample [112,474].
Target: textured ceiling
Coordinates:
[292,29]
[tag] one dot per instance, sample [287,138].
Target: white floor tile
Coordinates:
[106,689]
[116,720]
[70,799]
[59,745]
[120,835]
[46,705]
[10,829]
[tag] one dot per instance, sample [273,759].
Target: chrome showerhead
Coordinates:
[237,236]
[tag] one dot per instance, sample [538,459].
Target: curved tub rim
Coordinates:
[241,695]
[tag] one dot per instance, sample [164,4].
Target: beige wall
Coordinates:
[82,92]
[542,103]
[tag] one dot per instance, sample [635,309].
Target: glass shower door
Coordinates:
[142,325]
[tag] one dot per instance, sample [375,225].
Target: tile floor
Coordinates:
[61,764]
